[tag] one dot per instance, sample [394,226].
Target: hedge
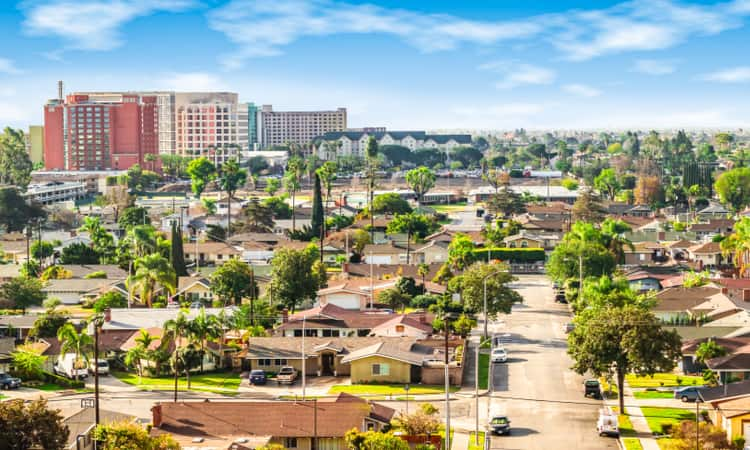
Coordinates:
[63,381]
[515,255]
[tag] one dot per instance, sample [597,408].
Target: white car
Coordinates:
[103,367]
[499,355]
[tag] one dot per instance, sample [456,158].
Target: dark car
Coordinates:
[257,377]
[9,382]
[560,297]
[591,388]
[688,394]
[500,425]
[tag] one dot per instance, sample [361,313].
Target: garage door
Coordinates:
[348,301]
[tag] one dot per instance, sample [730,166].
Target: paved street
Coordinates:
[536,388]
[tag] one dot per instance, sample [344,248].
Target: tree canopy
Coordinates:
[201,172]
[31,425]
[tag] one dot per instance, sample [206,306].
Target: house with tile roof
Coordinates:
[708,255]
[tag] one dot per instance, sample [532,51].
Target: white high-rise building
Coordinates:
[298,127]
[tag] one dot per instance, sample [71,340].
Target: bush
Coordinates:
[63,381]
[738,442]
[96,274]
[666,427]
[424,301]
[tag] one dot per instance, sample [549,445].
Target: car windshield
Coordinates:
[592,383]
[500,421]
[498,350]
[286,370]
[103,364]
[256,372]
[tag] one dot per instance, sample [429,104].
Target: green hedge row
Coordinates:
[63,381]
[516,255]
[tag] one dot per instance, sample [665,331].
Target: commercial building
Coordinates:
[55,191]
[208,124]
[99,131]
[35,143]
[353,143]
[298,127]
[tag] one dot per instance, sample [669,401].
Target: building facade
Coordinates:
[35,143]
[354,143]
[208,124]
[99,131]
[298,127]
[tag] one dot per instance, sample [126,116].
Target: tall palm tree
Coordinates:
[613,232]
[135,357]
[142,240]
[174,331]
[151,270]
[423,270]
[230,179]
[202,328]
[72,341]
[292,183]
[737,245]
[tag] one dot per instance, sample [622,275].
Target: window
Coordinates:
[264,362]
[381,369]
[280,362]
[297,333]
[290,442]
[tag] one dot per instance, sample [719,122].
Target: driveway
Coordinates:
[536,388]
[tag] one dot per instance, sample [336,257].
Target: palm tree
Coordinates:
[423,270]
[613,233]
[174,331]
[150,158]
[292,180]
[151,270]
[737,245]
[203,328]
[142,240]
[230,179]
[72,341]
[135,357]
[223,322]
[371,153]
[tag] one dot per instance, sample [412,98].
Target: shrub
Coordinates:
[96,274]
[666,427]
[738,442]
[63,381]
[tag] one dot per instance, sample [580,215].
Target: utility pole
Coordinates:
[303,357]
[315,424]
[97,324]
[447,389]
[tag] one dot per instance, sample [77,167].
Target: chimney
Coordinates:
[284,315]
[724,290]
[108,315]
[156,411]
[60,90]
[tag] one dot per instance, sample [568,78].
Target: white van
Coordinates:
[68,366]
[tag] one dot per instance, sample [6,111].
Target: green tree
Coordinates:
[41,250]
[139,179]
[737,246]
[233,281]
[292,183]
[22,292]
[272,186]
[586,244]
[709,350]
[470,284]
[413,225]
[613,235]
[110,299]
[177,252]
[231,177]
[151,270]
[175,331]
[292,278]
[587,207]
[733,188]
[47,324]
[32,425]
[133,216]
[506,203]
[78,343]
[204,328]
[102,242]
[460,252]
[370,440]
[371,172]
[28,362]
[463,325]
[420,180]
[15,212]
[15,164]
[209,205]
[259,217]
[624,339]
[131,436]
[79,253]
[390,203]
[394,298]
[607,183]
[317,221]
[201,172]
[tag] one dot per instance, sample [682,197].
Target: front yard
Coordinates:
[389,389]
[484,372]
[663,379]
[656,417]
[648,395]
[218,382]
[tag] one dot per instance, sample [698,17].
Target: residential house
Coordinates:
[678,250]
[14,247]
[382,271]
[110,271]
[346,296]
[712,227]
[432,252]
[729,408]
[136,318]
[558,211]
[212,252]
[526,239]
[330,320]
[404,325]
[390,253]
[73,291]
[447,235]
[544,226]
[211,357]
[714,211]
[81,426]
[675,304]
[737,289]
[689,364]
[640,211]
[7,346]
[732,367]
[708,255]
[195,289]
[292,424]
[388,362]
[16,326]
[645,253]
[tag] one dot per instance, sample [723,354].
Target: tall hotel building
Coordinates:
[299,127]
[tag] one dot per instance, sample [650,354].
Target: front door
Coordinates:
[327,364]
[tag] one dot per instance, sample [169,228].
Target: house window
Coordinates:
[524,244]
[642,257]
[264,362]
[297,333]
[399,328]
[311,333]
[327,332]
[280,362]
[290,442]
[381,369]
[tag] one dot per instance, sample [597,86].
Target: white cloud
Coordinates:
[582,90]
[519,74]
[654,66]
[733,75]
[91,24]
[7,66]
[190,81]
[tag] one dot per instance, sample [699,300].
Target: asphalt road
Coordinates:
[536,388]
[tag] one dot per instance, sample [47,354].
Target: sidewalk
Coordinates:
[640,426]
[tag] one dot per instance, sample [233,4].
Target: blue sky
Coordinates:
[493,64]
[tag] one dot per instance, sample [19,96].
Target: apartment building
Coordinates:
[99,131]
[35,143]
[298,127]
[56,191]
[354,143]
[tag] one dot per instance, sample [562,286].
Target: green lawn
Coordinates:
[652,394]
[663,379]
[484,372]
[625,425]
[657,416]
[220,382]
[472,445]
[453,207]
[389,389]
[632,444]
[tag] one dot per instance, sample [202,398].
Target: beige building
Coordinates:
[299,127]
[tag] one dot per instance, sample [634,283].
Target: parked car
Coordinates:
[196,305]
[560,297]
[607,425]
[500,425]
[9,382]
[592,388]
[257,377]
[688,394]
[499,355]
[286,375]
[103,367]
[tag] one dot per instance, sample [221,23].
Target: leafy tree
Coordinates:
[31,425]
[15,164]
[496,177]
[607,183]
[216,233]
[471,283]
[41,250]
[292,183]
[47,324]
[131,436]
[233,281]
[737,245]
[209,205]
[201,172]
[279,208]
[648,190]
[587,208]
[460,252]
[257,164]
[292,278]
[28,362]
[709,350]
[56,273]
[506,203]
[584,243]
[463,325]
[418,423]
[423,270]
[202,328]
[420,180]
[709,437]
[151,270]
[625,339]
[390,203]
[79,253]
[317,221]
[424,301]
[22,292]
[175,330]
[413,225]
[102,242]
[369,440]
[15,212]
[272,186]
[469,156]
[139,179]
[613,238]
[78,343]
[231,177]
[110,299]
[394,298]
[133,216]
[569,184]
[259,216]
[733,188]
